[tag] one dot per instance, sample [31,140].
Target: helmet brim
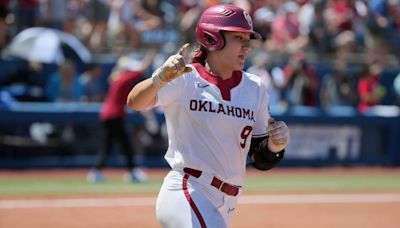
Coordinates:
[253,34]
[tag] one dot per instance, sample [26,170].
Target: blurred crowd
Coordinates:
[359,37]
[313,53]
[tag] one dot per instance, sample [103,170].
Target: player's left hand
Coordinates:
[279,135]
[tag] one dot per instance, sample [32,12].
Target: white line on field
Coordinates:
[320,198]
[246,199]
[59,203]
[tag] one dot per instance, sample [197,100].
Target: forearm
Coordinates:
[143,95]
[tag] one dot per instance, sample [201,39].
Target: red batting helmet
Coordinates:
[223,17]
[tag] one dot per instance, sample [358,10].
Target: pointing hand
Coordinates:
[173,68]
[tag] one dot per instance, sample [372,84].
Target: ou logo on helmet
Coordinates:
[248,18]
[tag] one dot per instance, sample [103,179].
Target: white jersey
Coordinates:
[211,121]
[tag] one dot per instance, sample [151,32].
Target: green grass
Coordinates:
[254,183]
[73,186]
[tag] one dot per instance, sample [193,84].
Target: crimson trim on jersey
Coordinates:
[225,86]
[191,202]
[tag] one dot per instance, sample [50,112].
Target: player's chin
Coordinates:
[239,65]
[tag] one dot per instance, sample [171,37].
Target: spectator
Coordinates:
[263,18]
[92,86]
[305,16]
[338,88]
[321,35]
[116,33]
[26,14]
[301,80]
[138,18]
[370,90]
[285,31]
[99,12]
[273,76]
[53,13]
[340,15]
[190,11]
[62,15]
[382,34]
[64,85]
[98,15]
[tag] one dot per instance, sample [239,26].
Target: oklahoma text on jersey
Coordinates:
[208,106]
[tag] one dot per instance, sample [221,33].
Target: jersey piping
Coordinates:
[225,86]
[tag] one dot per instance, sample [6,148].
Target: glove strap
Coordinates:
[158,82]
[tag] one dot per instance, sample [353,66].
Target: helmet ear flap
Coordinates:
[209,38]
[213,41]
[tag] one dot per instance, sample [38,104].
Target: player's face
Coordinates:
[237,46]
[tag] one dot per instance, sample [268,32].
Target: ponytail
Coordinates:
[200,56]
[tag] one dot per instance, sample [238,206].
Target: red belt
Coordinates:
[229,189]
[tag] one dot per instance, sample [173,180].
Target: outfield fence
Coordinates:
[340,136]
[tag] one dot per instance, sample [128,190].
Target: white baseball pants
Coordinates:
[190,202]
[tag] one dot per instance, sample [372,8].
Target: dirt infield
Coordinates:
[292,210]
[290,215]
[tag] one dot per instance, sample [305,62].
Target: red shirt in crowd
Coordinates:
[115,101]
[366,87]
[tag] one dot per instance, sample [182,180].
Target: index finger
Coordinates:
[271,120]
[183,50]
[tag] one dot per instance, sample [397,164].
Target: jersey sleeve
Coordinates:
[172,91]
[262,114]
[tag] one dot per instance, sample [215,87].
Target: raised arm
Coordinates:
[143,95]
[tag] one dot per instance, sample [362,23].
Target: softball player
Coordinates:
[216,115]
